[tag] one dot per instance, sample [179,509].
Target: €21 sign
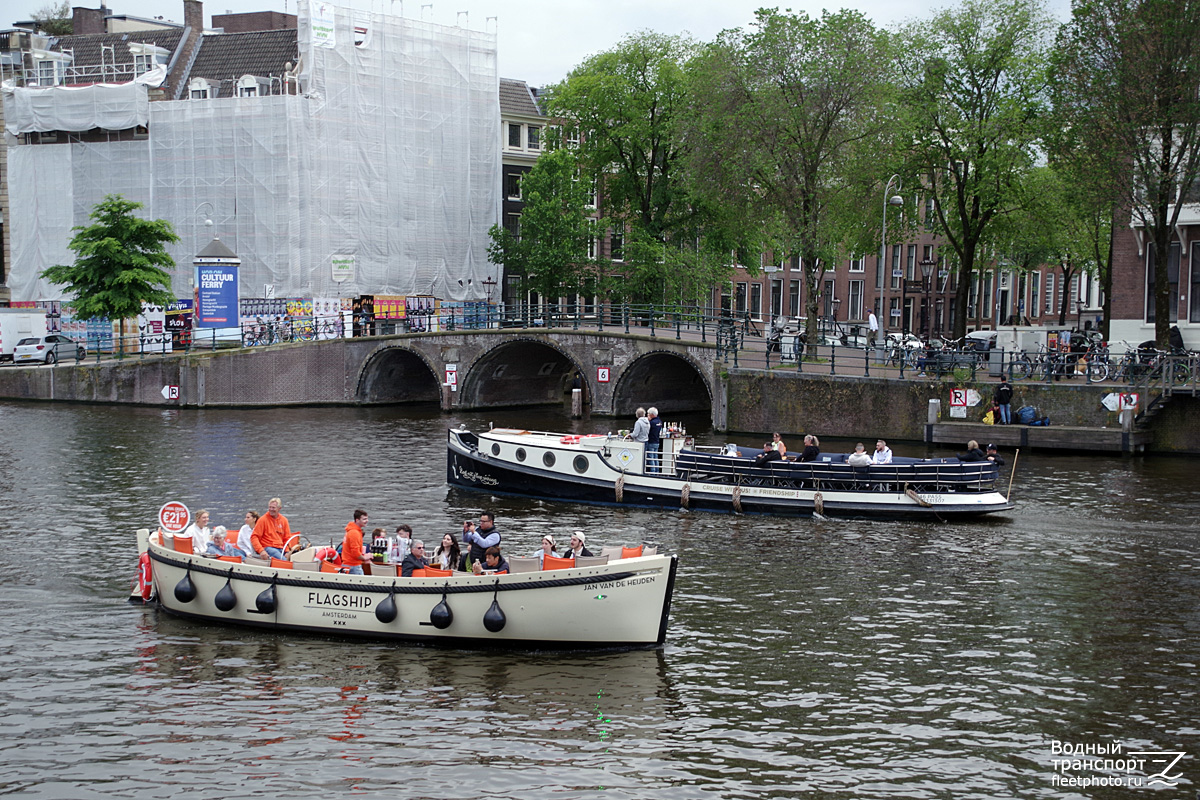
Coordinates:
[174,516]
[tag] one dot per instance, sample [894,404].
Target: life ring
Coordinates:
[569,440]
[145,577]
[595,436]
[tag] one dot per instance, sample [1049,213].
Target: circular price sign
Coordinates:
[174,517]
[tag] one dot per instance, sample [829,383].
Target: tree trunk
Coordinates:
[963,294]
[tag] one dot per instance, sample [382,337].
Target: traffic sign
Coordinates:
[170,392]
[958,397]
[174,516]
[452,377]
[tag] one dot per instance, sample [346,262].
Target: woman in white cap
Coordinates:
[578,540]
[548,548]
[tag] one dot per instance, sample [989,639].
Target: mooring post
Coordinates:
[576,403]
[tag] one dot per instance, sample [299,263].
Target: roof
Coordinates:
[216,249]
[516,99]
[228,56]
[88,47]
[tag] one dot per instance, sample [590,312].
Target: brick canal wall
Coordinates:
[869,408]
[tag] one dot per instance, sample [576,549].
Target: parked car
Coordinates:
[49,349]
[980,341]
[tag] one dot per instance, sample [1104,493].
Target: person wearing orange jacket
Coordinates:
[271,532]
[353,555]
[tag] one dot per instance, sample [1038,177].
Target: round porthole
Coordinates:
[495,449]
[520,454]
[581,464]
[548,459]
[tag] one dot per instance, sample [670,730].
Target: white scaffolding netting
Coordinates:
[390,154]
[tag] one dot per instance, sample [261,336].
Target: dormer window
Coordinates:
[250,86]
[199,89]
[146,57]
[51,67]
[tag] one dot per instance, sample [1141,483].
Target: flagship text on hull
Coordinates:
[611,469]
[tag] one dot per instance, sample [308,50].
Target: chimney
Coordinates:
[193,15]
[87,20]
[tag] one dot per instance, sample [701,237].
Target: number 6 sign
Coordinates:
[602,374]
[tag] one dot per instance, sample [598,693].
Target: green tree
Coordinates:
[1125,77]
[973,98]
[623,108]
[120,263]
[55,18]
[550,251]
[786,125]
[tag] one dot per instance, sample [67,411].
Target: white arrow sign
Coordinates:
[170,392]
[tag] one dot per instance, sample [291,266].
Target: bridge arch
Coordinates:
[526,371]
[397,375]
[671,382]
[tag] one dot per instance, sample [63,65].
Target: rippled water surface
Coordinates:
[841,659]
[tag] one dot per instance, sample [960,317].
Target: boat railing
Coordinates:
[928,475]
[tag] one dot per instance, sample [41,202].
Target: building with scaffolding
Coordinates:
[356,137]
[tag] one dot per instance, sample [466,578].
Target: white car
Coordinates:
[48,349]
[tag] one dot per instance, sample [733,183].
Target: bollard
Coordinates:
[935,411]
[576,403]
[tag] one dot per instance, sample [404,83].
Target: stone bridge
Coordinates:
[493,368]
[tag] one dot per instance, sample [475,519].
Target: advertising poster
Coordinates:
[153,336]
[327,317]
[179,322]
[217,296]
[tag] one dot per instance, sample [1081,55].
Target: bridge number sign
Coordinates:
[174,516]
[452,377]
[602,374]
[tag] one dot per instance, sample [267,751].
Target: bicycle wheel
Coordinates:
[1097,371]
[1021,368]
[1180,374]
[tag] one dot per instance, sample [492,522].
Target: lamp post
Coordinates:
[927,265]
[892,200]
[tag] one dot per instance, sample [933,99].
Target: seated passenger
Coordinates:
[882,454]
[812,448]
[492,562]
[578,540]
[994,456]
[218,546]
[414,560]
[777,445]
[767,455]
[859,457]
[244,547]
[200,533]
[548,548]
[973,452]
[447,555]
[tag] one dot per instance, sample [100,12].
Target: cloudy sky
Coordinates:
[541,40]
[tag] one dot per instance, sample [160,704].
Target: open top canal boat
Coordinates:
[613,469]
[609,603]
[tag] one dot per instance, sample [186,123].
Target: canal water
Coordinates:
[829,659]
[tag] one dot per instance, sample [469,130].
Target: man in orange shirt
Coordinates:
[271,532]
[353,555]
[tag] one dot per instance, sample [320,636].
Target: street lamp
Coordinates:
[927,265]
[893,200]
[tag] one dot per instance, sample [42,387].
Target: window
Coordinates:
[1172,284]
[897,269]
[894,310]
[987,295]
[1035,293]
[828,297]
[930,214]
[617,245]
[199,89]
[756,300]
[591,248]
[248,91]
[856,301]
[591,198]
[795,263]
[973,296]
[512,224]
[47,73]
[198,94]
[794,298]
[1049,292]
[776,298]
[573,138]
[911,263]
[535,137]
[142,64]
[858,264]
[512,185]
[514,135]
[739,299]
[1194,295]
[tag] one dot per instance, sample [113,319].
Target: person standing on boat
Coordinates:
[353,555]
[812,448]
[882,454]
[577,548]
[244,547]
[548,548]
[641,427]
[414,560]
[483,538]
[653,440]
[200,533]
[271,532]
